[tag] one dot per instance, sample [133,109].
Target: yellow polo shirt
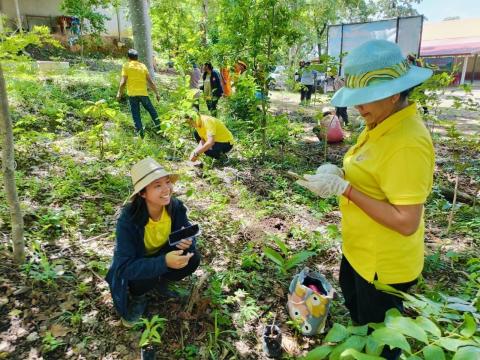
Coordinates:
[210,126]
[393,162]
[136,74]
[157,232]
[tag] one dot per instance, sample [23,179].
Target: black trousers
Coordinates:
[306,92]
[140,287]
[367,304]
[212,106]
[342,112]
[217,149]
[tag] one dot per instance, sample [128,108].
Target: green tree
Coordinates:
[258,32]
[10,48]
[91,21]
[316,15]
[178,34]
[394,8]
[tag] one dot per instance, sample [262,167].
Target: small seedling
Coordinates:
[285,260]
[152,335]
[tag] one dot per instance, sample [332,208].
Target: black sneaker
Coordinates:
[140,133]
[136,308]
[223,159]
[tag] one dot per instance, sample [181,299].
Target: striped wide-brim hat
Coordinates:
[376,70]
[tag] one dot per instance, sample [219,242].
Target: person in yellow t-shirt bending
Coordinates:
[136,78]
[213,137]
[386,178]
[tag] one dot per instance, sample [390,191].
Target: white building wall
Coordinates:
[52,8]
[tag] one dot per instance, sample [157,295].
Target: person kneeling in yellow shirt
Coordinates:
[144,260]
[213,137]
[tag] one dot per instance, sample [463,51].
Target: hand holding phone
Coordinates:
[184,244]
[175,259]
[187,232]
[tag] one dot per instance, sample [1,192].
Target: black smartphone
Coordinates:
[177,236]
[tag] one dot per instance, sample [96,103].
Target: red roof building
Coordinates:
[453,44]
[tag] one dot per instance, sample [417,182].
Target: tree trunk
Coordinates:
[265,81]
[319,37]
[1,20]
[205,22]
[460,196]
[8,165]
[117,12]
[142,32]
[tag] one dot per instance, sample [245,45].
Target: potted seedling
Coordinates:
[151,336]
[272,340]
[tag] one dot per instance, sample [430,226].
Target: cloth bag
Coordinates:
[309,298]
[329,127]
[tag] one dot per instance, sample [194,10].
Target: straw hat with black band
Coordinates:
[146,171]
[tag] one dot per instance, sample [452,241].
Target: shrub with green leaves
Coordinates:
[242,104]
[446,329]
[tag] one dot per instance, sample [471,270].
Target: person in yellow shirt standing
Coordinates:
[213,137]
[386,178]
[136,78]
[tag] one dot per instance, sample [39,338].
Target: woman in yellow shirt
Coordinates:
[143,259]
[386,178]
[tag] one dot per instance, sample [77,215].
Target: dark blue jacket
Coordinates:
[215,83]
[129,259]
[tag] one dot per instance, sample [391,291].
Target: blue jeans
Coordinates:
[135,109]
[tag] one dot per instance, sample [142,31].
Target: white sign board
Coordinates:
[406,32]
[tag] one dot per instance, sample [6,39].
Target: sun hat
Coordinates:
[242,63]
[376,70]
[147,170]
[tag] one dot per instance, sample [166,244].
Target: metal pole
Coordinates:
[420,40]
[341,51]
[19,18]
[473,69]
[396,32]
[464,70]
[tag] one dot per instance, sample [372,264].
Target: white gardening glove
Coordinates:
[330,169]
[324,185]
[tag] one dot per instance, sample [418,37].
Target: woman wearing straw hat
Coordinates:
[386,178]
[143,260]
